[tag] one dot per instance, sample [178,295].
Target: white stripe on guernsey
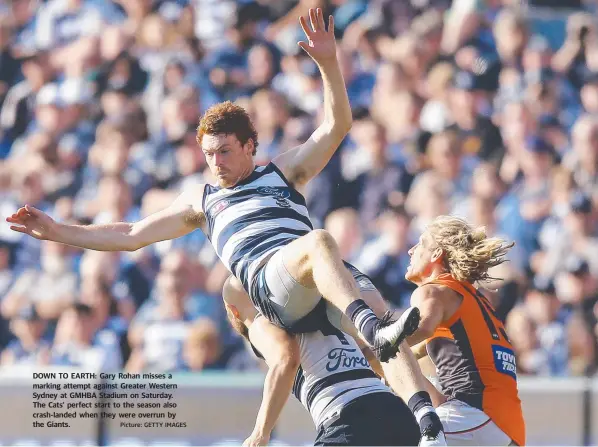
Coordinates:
[352,389]
[226,257]
[272,180]
[247,206]
[240,237]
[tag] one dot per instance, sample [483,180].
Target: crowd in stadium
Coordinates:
[463,107]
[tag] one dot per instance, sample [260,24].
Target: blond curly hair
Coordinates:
[469,252]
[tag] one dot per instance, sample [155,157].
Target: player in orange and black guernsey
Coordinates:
[459,330]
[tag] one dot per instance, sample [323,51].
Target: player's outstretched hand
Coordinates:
[256,440]
[321,44]
[29,220]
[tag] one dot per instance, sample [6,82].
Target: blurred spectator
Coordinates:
[583,158]
[29,346]
[479,135]
[50,288]
[377,177]
[158,331]
[81,345]
[385,258]
[204,350]
[543,308]
[344,225]
[471,108]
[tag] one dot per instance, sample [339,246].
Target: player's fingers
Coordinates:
[13,219]
[320,15]
[19,229]
[304,46]
[331,24]
[306,29]
[33,210]
[313,19]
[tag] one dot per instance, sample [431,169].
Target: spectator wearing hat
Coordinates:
[577,288]
[479,136]
[29,347]
[578,237]
[544,310]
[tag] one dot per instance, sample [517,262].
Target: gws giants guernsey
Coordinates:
[333,373]
[248,223]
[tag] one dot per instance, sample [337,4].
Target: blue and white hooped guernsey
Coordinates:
[248,223]
[333,373]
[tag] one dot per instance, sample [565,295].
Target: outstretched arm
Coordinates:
[432,311]
[304,162]
[178,219]
[281,352]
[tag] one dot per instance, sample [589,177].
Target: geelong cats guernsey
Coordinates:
[249,222]
[333,373]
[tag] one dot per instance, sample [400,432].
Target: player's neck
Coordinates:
[434,274]
[244,175]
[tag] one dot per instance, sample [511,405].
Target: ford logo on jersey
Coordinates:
[274,191]
[504,361]
[346,358]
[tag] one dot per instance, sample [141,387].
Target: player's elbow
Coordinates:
[426,329]
[342,127]
[288,361]
[133,239]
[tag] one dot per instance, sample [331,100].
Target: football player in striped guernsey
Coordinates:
[334,345]
[255,218]
[330,375]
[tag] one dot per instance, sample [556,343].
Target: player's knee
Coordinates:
[322,240]
[232,288]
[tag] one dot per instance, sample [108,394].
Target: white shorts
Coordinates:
[466,425]
[291,301]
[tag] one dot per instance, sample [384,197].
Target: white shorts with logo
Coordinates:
[291,301]
[466,425]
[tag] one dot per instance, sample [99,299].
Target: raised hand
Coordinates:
[321,44]
[29,220]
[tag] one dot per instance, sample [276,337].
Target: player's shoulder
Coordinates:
[432,291]
[192,195]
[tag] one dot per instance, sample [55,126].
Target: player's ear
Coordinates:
[249,147]
[437,254]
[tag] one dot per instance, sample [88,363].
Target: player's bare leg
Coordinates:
[405,377]
[314,261]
